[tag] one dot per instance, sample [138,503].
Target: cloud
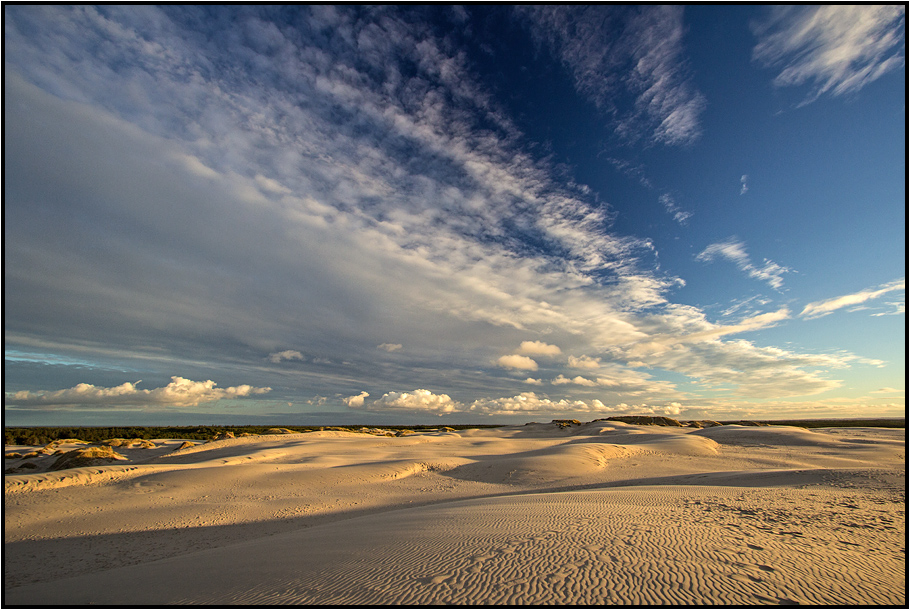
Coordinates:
[823,308]
[735,251]
[516,361]
[613,53]
[530,402]
[887,391]
[389,347]
[836,49]
[355,402]
[538,348]
[180,392]
[584,362]
[578,380]
[745,187]
[669,204]
[899,310]
[418,400]
[287,354]
[743,369]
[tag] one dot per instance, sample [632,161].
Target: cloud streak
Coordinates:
[611,51]
[735,251]
[820,309]
[836,49]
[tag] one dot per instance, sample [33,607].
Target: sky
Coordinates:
[426,214]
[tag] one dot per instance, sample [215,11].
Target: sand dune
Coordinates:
[604,512]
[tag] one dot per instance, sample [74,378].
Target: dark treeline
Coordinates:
[828,423]
[42,435]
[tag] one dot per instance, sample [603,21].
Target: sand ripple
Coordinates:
[594,547]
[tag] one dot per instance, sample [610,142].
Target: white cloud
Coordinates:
[180,392]
[532,381]
[418,400]
[584,362]
[530,402]
[680,216]
[899,310]
[887,391]
[837,49]
[538,348]
[389,347]
[735,251]
[823,308]
[287,354]
[355,402]
[578,380]
[745,186]
[516,361]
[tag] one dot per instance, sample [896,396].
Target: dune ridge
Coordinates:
[578,513]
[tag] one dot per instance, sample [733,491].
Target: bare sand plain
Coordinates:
[587,514]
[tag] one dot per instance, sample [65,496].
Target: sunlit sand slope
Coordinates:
[598,513]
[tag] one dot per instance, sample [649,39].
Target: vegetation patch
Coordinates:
[90,456]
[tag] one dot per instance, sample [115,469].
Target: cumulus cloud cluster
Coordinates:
[417,401]
[524,403]
[180,392]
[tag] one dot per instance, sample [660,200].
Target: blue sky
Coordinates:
[445,214]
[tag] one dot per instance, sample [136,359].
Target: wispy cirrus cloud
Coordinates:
[669,203]
[836,49]
[612,52]
[734,250]
[819,309]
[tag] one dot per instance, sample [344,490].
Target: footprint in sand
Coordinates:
[434,580]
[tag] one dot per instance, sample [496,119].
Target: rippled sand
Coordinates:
[599,513]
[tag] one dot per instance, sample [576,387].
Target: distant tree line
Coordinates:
[42,435]
[830,423]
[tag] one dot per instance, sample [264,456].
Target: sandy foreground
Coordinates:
[589,514]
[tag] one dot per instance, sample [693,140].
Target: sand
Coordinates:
[599,513]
